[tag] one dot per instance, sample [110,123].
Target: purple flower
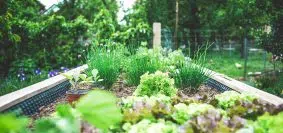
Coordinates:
[37,71]
[64,69]
[23,78]
[53,73]
[21,75]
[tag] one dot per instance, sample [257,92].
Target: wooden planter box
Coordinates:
[31,98]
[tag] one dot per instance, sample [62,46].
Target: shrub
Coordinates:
[190,76]
[139,64]
[107,62]
[157,83]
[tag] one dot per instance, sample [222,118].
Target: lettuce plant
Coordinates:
[183,112]
[131,101]
[146,126]
[269,124]
[137,108]
[99,109]
[228,99]
[157,83]
[10,123]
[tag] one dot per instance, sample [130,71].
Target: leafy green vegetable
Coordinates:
[157,83]
[9,123]
[228,99]
[183,112]
[99,109]
[65,120]
[269,124]
[138,108]
[146,126]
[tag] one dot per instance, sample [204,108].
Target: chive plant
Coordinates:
[192,74]
[143,61]
[108,62]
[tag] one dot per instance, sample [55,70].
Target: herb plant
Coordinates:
[190,76]
[139,64]
[78,78]
[107,62]
[176,58]
[157,83]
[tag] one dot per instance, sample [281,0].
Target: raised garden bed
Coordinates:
[40,100]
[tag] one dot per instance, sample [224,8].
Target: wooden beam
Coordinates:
[16,97]
[156,35]
[244,88]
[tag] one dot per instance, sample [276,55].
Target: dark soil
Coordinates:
[204,93]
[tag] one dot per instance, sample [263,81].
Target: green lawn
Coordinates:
[224,62]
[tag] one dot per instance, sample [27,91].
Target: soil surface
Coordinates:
[204,93]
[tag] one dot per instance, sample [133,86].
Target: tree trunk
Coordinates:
[176,25]
[194,26]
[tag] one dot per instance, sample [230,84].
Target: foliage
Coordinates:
[143,61]
[182,112]
[176,58]
[71,9]
[98,108]
[132,101]
[9,123]
[77,78]
[190,76]
[269,124]
[107,62]
[158,113]
[264,82]
[11,83]
[157,83]
[103,112]
[64,118]
[229,98]
[146,126]
[103,27]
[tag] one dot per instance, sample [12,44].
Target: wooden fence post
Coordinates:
[156,35]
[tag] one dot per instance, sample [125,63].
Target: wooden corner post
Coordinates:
[156,35]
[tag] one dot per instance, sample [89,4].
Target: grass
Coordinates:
[224,63]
